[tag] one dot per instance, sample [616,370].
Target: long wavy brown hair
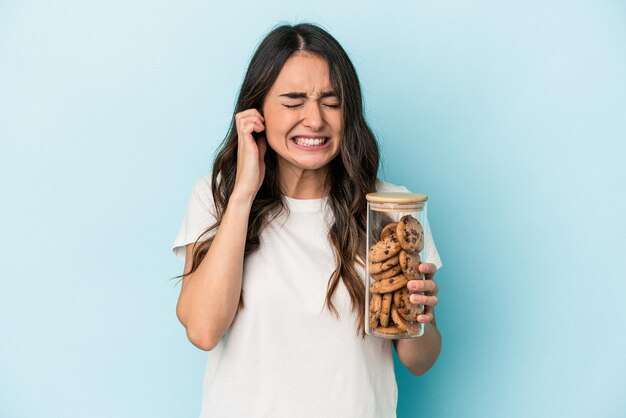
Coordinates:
[351,175]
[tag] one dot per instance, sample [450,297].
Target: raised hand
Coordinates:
[250,152]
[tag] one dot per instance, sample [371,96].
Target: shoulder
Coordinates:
[203,184]
[203,187]
[202,193]
[384,186]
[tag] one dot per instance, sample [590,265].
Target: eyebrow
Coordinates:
[302,95]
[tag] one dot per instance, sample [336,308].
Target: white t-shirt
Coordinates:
[285,354]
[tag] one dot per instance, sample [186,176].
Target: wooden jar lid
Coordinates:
[402,198]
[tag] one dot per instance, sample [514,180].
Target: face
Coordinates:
[303,117]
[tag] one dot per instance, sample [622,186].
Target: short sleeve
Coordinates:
[431,255]
[200,215]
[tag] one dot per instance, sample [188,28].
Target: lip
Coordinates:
[309,136]
[326,144]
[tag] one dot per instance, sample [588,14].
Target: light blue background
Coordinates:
[509,115]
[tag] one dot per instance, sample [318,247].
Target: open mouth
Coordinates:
[310,142]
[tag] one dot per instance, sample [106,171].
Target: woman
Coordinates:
[274,243]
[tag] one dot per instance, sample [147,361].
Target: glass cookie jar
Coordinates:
[395,248]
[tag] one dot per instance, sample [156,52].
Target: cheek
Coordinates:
[337,147]
[338,123]
[279,122]
[274,141]
[276,136]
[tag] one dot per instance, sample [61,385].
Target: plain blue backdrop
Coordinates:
[510,115]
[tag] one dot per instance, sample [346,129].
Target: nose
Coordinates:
[312,117]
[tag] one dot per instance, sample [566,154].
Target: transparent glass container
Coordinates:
[395,248]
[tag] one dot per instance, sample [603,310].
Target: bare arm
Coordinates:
[420,354]
[209,297]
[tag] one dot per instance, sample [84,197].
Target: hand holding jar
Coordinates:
[428,288]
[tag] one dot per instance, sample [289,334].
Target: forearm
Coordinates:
[420,354]
[209,297]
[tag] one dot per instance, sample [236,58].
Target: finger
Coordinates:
[428,315]
[259,126]
[250,126]
[423,299]
[425,317]
[243,121]
[427,268]
[248,113]
[423,286]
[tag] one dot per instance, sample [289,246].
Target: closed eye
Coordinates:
[333,106]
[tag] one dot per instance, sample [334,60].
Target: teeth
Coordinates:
[307,142]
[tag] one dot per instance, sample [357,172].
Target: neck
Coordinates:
[303,184]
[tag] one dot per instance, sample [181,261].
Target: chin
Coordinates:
[313,165]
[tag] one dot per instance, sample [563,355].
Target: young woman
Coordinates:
[274,242]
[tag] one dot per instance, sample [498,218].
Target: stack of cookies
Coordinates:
[393,261]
